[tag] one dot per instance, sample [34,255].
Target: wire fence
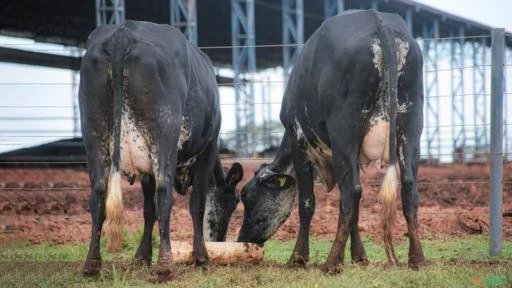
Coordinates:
[22,136]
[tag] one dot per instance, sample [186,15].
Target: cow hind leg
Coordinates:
[164,201]
[144,252]
[304,173]
[97,206]
[357,250]
[345,159]
[409,160]
[202,171]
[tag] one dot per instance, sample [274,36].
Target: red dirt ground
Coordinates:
[51,205]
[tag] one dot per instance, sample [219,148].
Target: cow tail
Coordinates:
[388,190]
[117,48]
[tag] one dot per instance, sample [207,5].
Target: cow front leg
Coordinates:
[145,251]
[410,197]
[97,206]
[347,176]
[304,172]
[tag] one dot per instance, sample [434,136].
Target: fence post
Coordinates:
[496,159]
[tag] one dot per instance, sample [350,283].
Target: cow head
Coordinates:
[221,201]
[268,200]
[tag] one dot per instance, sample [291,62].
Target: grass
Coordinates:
[454,262]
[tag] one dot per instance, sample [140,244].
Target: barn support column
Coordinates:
[333,7]
[432,107]
[480,98]
[458,97]
[244,66]
[75,52]
[109,12]
[184,17]
[293,33]
[408,20]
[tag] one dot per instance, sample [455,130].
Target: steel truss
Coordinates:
[244,65]
[293,32]
[184,17]
[109,12]
[333,7]
[432,107]
[480,98]
[457,89]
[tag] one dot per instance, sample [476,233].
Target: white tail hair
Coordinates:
[114,211]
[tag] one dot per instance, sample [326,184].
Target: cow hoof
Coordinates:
[164,273]
[297,261]
[361,261]
[141,261]
[391,264]
[415,264]
[331,269]
[91,267]
[202,262]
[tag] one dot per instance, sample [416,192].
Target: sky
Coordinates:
[40,99]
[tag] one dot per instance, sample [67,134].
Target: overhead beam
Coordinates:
[17,56]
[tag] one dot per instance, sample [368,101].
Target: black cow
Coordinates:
[150,108]
[354,97]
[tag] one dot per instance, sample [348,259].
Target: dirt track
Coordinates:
[42,205]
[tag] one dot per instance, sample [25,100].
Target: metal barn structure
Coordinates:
[247,36]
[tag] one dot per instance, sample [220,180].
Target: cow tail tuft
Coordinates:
[118,47]
[388,191]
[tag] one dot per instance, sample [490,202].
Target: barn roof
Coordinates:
[69,22]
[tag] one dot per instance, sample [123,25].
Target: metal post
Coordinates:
[109,12]
[293,33]
[244,65]
[458,107]
[333,7]
[496,176]
[430,50]
[184,17]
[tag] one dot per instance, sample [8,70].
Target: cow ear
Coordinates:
[279,181]
[235,175]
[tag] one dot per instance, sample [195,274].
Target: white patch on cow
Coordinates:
[403,107]
[377,56]
[211,213]
[307,203]
[298,130]
[134,150]
[184,133]
[402,51]
[401,150]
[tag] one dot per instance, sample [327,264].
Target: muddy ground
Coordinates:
[51,205]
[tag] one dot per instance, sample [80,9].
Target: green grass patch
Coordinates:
[454,262]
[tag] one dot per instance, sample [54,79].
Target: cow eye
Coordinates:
[278,182]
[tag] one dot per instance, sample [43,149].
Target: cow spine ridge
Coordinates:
[117,48]
[388,190]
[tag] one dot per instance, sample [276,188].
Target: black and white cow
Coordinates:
[355,97]
[150,109]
